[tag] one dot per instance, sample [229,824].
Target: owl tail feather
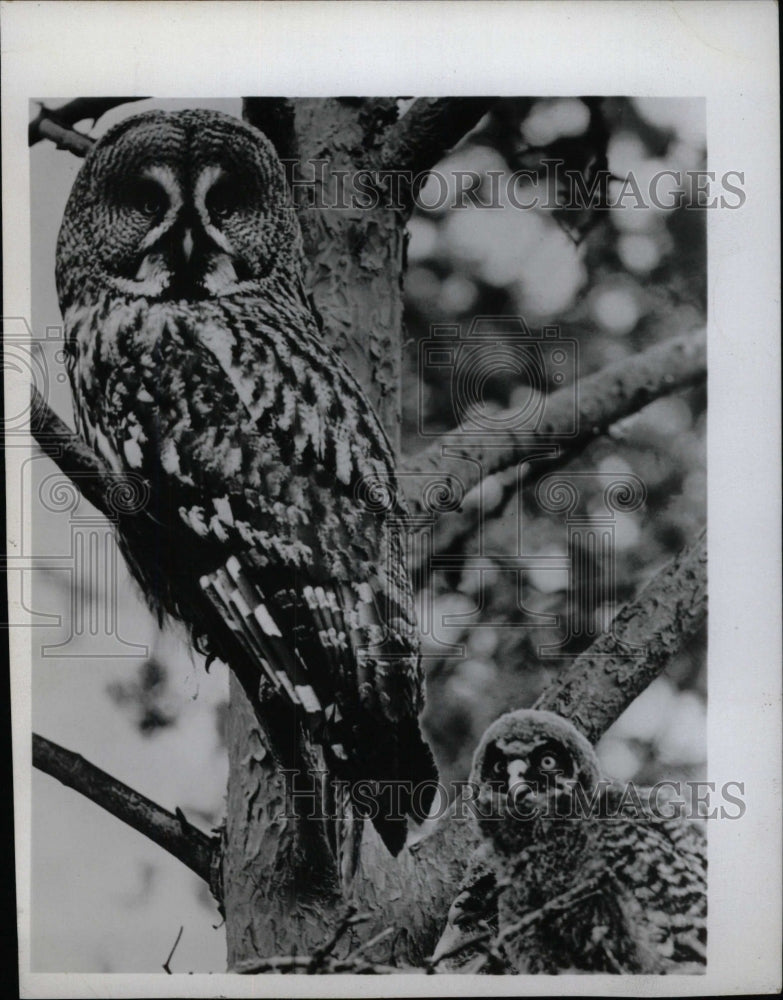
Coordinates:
[253,629]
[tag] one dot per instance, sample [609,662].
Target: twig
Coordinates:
[173,949]
[468,942]
[349,919]
[565,900]
[369,943]
[604,680]
[171,832]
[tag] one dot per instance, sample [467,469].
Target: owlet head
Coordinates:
[184,205]
[527,768]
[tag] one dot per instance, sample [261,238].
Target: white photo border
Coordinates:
[724,52]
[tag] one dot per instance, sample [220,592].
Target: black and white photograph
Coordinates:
[393,546]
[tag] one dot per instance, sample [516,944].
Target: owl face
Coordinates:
[526,769]
[182,206]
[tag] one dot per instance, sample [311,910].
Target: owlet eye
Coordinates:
[499,768]
[548,762]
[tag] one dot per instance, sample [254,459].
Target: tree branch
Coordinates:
[170,831]
[606,397]
[428,130]
[575,416]
[605,679]
[57,124]
[64,138]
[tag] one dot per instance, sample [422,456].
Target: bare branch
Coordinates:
[87,108]
[430,127]
[64,138]
[57,124]
[604,398]
[321,955]
[607,677]
[370,943]
[428,130]
[601,400]
[169,830]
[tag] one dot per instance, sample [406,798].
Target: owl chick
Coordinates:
[586,877]
[274,522]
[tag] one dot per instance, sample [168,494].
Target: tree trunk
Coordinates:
[277,899]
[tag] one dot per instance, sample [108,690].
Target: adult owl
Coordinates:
[273,526]
[574,874]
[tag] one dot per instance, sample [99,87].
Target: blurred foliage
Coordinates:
[617,280]
[147,696]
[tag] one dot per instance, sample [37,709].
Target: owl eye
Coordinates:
[222,201]
[499,768]
[548,762]
[148,198]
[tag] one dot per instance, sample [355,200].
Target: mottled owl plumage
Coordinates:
[197,361]
[574,874]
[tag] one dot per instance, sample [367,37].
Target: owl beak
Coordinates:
[516,770]
[518,787]
[187,245]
